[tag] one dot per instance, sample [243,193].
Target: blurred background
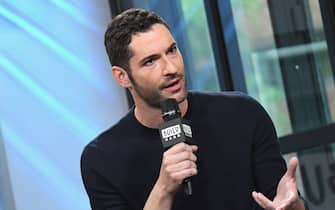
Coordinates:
[57,93]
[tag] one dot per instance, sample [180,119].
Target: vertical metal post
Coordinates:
[328,16]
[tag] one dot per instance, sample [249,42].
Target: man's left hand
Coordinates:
[287,197]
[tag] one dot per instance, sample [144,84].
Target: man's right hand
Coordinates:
[178,163]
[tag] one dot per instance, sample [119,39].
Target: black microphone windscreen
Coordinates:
[170,109]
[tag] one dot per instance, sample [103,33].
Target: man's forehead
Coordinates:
[156,39]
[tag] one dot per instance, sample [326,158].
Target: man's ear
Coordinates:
[121,76]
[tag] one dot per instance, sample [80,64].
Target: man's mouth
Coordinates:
[173,85]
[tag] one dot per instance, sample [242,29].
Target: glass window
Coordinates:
[188,23]
[287,68]
[285,60]
[316,179]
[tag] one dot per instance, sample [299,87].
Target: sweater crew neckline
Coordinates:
[186,116]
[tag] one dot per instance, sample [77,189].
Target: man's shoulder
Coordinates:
[226,102]
[220,94]
[111,136]
[224,96]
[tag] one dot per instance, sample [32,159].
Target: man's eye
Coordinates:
[148,62]
[173,49]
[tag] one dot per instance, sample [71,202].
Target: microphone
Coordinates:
[175,130]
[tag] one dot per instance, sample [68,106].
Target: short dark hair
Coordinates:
[119,33]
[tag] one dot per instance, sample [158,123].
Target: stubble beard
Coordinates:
[153,97]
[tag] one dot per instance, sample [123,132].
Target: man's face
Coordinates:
[156,67]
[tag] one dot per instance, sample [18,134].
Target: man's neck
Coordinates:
[152,117]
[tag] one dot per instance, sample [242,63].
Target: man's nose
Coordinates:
[169,67]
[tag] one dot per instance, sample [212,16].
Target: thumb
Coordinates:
[292,167]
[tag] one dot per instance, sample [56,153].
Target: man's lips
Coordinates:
[172,85]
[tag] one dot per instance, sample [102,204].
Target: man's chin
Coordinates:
[180,96]
[182,99]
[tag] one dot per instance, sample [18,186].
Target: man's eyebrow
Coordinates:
[149,57]
[153,56]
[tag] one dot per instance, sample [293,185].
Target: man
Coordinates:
[236,162]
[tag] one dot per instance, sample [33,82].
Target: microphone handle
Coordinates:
[187,186]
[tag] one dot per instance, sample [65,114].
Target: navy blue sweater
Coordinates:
[238,153]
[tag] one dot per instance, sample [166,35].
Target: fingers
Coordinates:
[181,147]
[179,153]
[292,167]
[286,191]
[179,157]
[282,207]
[178,163]
[181,166]
[179,176]
[263,201]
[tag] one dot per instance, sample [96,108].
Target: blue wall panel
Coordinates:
[56,94]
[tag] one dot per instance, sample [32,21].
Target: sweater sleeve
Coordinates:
[102,194]
[269,165]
